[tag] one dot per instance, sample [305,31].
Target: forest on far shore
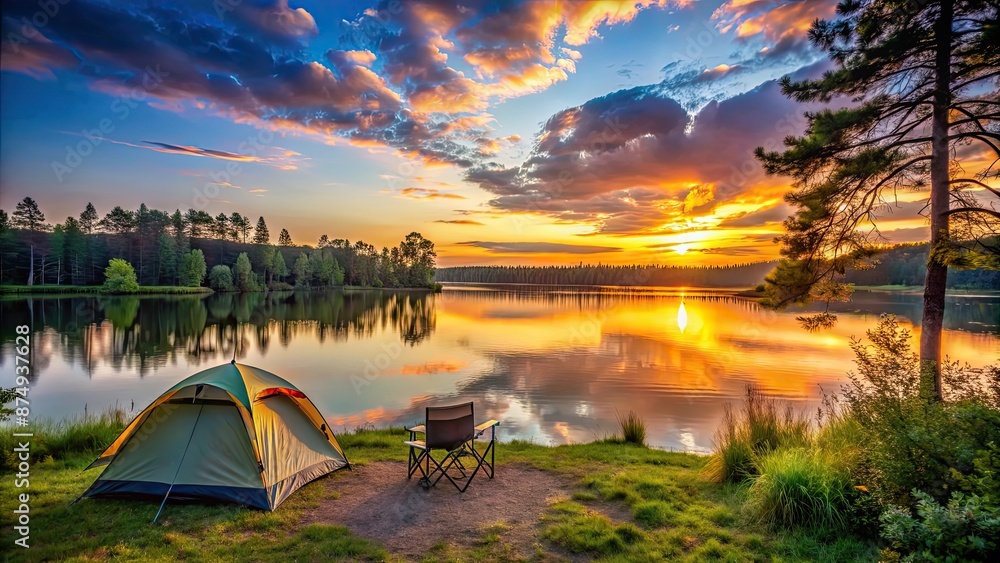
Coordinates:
[902,264]
[193,248]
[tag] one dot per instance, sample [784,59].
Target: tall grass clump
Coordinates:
[760,427]
[801,487]
[633,428]
[84,435]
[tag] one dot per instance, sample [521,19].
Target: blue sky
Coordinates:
[455,119]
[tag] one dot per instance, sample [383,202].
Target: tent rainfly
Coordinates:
[231,433]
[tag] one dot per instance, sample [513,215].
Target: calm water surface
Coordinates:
[553,364]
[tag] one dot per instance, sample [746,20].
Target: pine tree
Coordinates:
[924,75]
[88,219]
[75,248]
[220,229]
[243,277]
[303,270]
[260,234]
[284,239]
[28,216]
[278,266]
[168,259]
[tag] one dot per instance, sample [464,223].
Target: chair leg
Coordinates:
[416,463]
[430,476]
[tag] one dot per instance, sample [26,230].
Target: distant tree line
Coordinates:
[903,264]
[182,248]
[737,275]
[906,264]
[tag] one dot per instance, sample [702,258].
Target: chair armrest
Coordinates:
[489,423]
[418,428]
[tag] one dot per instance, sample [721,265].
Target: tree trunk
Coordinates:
[937,270]
[31,267]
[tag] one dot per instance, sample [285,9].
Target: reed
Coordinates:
[759,427]
[633,428]
[85,434]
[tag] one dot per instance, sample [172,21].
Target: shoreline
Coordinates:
[55,290]
[49,290]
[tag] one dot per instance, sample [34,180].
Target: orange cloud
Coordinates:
[424,194]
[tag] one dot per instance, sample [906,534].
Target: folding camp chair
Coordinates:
[453,430]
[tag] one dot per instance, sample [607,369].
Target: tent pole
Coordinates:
[179,464]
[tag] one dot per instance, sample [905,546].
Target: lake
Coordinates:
[554,364]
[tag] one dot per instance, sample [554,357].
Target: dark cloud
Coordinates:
[274,19]
[633,161]
[469,222]
[197,151]
[543,247]
[242,63]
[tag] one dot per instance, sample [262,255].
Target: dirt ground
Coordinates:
[376,501]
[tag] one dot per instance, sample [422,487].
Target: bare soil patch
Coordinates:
[376,501]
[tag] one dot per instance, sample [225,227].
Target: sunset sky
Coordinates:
[506,132]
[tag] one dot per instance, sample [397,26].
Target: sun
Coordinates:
[682,248]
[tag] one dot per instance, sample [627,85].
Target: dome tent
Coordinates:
[232,433]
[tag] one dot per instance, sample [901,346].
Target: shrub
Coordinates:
[633,428]
[759,428]
[221,278]
[7,396]
[245,279]
[966,529]
[910,444]
[801,487]
[191,268]
[119,277]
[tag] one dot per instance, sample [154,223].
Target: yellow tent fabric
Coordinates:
[232,432]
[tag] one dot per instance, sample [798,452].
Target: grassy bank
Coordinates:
[626,502]
[96,289]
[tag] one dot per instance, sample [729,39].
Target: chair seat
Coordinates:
[419,444]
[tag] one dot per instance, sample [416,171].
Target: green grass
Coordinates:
[758,428]
[96,289]
[626,503]
[71,438]
[801,487]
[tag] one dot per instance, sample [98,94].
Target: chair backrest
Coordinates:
[449,427]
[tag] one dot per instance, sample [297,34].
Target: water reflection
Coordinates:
[552,363]
[139,334]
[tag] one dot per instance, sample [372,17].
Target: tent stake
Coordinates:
[170,488]
[179,464]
